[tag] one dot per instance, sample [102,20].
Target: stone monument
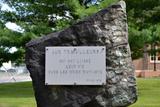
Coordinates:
[106,28]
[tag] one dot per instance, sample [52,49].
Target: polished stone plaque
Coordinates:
[84,65]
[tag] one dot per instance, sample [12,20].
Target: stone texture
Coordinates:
[105,28]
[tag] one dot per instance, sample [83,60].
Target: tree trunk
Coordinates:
[145,58]
[154,54]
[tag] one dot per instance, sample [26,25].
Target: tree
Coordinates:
[142,16]
[154,41]
[38,18]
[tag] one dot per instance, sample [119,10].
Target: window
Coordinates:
[157,57]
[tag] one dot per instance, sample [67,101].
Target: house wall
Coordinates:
[148,72]
[138,64]
[150,66]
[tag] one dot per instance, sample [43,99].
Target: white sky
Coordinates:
[11,26]
[13,49]
[5,7]
[14,27]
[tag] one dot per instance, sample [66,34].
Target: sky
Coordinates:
[5,7]
[10,25]
[14,27]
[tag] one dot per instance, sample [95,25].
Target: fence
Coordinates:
[14,74]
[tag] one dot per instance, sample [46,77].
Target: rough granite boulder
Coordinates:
[107,28]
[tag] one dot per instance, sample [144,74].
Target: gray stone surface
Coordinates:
[105,28]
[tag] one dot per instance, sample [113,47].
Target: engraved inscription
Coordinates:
[75,65]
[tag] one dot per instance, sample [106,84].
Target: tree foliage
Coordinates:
[38,18]
[143,16]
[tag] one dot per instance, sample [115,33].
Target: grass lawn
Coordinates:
[17,95]
[21,94]
[148,93]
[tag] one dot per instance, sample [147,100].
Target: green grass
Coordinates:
[17,95]
[148,93]
[21,94]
